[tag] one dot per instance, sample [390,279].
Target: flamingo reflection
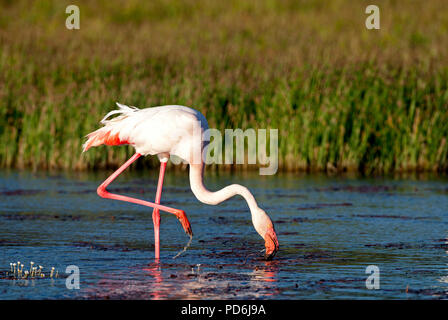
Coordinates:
[177,281]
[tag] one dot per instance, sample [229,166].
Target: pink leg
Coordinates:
[156,212]
[102,192]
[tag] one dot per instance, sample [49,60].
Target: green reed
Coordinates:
[342,97]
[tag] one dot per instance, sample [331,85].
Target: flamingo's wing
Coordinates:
[111,133]
[165,129]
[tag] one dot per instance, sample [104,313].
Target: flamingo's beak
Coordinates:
[271,244]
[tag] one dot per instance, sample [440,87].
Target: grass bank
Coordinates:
[343,97]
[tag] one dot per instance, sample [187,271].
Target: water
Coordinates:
[329,228]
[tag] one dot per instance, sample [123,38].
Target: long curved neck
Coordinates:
[213,198]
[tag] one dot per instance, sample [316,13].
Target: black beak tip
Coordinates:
[270,256]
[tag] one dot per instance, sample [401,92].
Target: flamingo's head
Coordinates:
[265,229]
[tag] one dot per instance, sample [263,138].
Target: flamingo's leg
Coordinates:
[102,192]
[156,212]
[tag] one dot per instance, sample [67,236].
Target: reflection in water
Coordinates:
[154,271]
[265,278]
[444,279]
[197,283]
[201,283]
[268,273]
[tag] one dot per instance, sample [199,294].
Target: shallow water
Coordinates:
[329,228]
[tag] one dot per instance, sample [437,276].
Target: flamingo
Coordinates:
[165,131]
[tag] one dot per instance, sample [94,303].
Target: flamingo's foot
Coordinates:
[185,223]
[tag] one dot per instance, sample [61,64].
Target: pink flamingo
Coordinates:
[172,130]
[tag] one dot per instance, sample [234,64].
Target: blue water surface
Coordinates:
[330,229]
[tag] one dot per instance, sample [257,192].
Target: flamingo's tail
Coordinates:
[110,133]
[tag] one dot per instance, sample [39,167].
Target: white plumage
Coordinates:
[165,130]
[180,131]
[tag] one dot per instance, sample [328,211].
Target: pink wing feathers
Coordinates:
[100,137]
[110,134]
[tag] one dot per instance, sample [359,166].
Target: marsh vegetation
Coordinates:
[343,97]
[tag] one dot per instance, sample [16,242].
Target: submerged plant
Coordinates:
[18,273]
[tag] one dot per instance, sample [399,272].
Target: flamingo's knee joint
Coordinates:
[101,191]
